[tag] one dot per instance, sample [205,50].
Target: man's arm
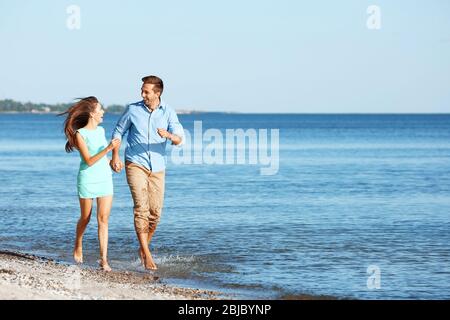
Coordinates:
[175,132]
[116,164]
[176,140]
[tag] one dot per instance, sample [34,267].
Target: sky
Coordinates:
[239,56]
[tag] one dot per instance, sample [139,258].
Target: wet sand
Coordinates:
[24,276]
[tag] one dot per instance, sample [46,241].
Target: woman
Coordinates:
[94,181]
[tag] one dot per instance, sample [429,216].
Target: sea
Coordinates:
[356,206]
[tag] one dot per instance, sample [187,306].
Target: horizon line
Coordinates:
[185,110]
[262,113]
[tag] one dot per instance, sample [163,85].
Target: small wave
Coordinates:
[175,259]
[304,297]
[167,264]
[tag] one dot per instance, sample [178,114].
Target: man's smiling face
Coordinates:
[148,94]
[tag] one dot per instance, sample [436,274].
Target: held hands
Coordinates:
[116,165]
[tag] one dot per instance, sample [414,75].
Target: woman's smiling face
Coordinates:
[97,115]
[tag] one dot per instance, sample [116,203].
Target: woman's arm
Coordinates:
[91,160]
[122,126]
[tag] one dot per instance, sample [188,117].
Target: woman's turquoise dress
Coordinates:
[94,181]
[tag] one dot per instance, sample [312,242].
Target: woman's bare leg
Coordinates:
[85,216]
[104,205]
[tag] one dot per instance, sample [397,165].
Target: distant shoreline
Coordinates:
[9,106]
[57,112]
[12,106]
[255,113]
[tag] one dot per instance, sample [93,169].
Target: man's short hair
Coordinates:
[157,82]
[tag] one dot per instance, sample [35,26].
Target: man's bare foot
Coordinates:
[149,264]
[141,256]
[104,265]
[78,255]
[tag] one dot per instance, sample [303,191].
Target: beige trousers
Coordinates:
[147,190]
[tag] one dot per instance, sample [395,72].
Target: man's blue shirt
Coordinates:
[144,145]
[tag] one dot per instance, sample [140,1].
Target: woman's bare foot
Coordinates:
[149,264]
[104,265]
[78,255]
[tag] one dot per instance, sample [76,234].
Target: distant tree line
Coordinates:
[9,105]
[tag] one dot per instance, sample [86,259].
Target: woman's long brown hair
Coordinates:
[77,117]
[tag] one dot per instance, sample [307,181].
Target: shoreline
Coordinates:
[30,277]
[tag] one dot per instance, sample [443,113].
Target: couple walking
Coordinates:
[149,123]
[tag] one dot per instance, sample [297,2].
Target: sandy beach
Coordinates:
[25,277]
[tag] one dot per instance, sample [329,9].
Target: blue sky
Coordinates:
[244,56]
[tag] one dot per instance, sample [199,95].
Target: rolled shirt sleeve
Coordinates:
[175,126]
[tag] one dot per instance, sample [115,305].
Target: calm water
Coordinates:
[351,191]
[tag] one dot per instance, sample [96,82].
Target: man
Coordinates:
[149,123]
